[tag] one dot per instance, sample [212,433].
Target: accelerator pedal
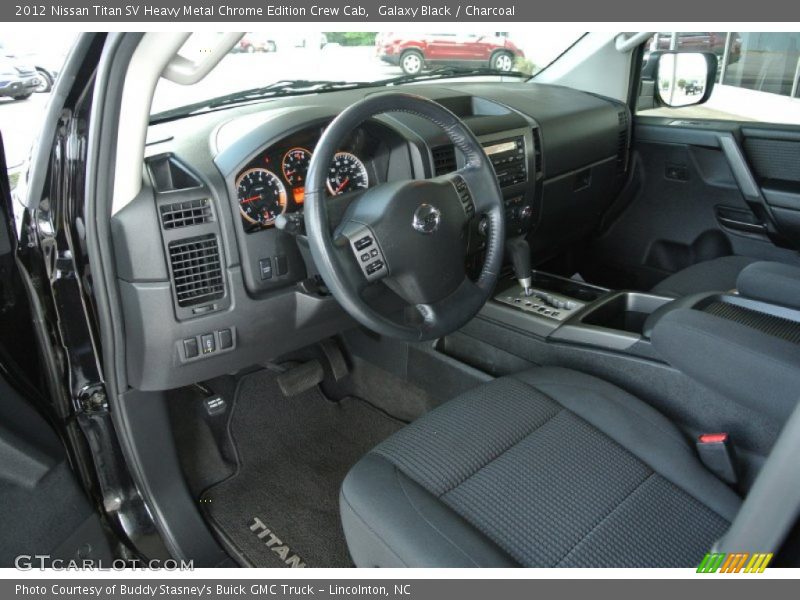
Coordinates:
[336,359]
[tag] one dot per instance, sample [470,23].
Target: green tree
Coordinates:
[351,38]
[523,65]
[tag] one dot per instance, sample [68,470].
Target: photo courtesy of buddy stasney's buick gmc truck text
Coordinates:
[207,590]
[435,298]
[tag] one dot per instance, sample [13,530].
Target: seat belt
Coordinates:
[716,453]
[771,508]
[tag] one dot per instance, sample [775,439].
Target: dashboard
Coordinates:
[210,279]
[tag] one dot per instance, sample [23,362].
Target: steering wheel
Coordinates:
[410,235]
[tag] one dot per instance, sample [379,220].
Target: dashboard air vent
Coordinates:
[182,214]
[196,270]
[622,140]
[537,153]
[444,160]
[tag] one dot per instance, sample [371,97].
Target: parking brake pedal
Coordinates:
[301,378]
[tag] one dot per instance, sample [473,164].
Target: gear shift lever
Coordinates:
[519,251]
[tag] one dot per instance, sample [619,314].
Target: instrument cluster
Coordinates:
[273,183]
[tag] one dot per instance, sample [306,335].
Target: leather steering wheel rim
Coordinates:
[479,192]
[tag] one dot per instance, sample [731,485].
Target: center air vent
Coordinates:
[182,214]
[444,160]
[537,152]
[196,270]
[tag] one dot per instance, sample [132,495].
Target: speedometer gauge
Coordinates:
[262,196]
[346,173]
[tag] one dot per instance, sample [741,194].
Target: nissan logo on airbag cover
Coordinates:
[426,218]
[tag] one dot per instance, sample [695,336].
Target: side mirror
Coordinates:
[684,78]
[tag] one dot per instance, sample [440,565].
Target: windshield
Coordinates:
[273,59]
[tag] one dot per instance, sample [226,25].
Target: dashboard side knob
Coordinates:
[291,223]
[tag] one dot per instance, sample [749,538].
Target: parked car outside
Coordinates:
[413,52]
[47,64]
[17,79]
[253,42]
[693,88]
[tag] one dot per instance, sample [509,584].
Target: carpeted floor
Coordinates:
[282,505]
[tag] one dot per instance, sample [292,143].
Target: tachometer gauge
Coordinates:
[346,173]
[295,166]
[262,196]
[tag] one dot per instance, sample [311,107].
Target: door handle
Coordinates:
[742,226]
[740,220]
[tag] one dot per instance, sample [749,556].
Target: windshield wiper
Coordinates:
[279,88]
[449,72]
[289,86]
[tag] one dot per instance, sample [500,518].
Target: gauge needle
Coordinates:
[341,185]
[250,199]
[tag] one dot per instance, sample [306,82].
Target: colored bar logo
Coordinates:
[734,562]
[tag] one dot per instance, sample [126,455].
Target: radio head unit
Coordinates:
[508,159]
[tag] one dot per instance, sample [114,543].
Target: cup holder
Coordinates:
[626,311]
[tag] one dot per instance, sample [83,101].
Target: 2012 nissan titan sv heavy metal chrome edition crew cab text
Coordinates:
[306,309]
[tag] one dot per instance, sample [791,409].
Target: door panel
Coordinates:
[705,190]
[45,510]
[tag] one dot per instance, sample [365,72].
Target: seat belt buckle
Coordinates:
[716,453]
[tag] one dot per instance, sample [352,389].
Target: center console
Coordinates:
[568,311]
[572,311]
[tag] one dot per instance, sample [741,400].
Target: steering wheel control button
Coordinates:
[374,267]
[427,219]
[207,342]
[265,267]
[464,195]
[190,348]
[364,242]
[366,251]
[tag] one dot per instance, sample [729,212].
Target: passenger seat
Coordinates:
[717,275]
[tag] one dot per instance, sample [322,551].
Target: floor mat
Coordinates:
[281,508]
